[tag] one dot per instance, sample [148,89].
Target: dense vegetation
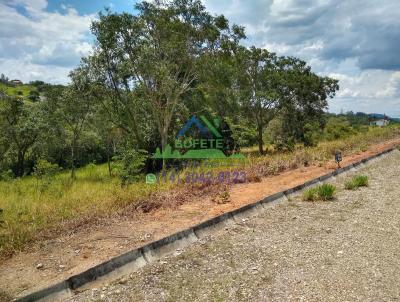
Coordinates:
[150,72]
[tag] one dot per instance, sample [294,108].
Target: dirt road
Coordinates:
[344,250]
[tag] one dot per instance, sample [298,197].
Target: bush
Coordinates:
[44,173]
[312,134]
[130,164]
[323,192]
[356,182]
[45,169]
[337,128]
[6,175]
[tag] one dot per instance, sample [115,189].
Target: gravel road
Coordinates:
[344,250]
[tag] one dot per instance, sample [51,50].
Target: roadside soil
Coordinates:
[70,254]
[346,249]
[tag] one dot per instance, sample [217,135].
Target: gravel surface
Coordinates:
[344,250]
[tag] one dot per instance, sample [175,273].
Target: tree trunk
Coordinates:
[73,176]
[260,139]
[20,163]
[108,161]
[164,139]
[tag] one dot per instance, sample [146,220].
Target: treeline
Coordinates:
[147,75]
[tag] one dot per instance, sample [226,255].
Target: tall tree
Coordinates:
[158,52]
[304,96]
[73,106]
[257,84]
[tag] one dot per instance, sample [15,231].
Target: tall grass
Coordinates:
[29,208]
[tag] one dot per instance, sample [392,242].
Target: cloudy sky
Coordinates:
[357,42]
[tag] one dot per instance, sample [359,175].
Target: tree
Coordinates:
[257,81]
[157,54]
[304,97]
[73,106]
[21,124]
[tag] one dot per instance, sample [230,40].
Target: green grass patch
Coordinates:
[323,192]
[356,182]
[18,90]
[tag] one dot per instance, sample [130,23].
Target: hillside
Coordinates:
[27,91]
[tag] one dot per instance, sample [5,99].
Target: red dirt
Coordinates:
[71,254]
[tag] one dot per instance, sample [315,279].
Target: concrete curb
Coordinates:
[153,251]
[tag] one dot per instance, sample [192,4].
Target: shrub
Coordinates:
[356,182]
[44,169]
[130,164]
[6,175]
[323,192]
[44,173]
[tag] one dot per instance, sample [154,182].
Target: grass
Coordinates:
[356,182]
[25,89]
[31,207]
[323,192]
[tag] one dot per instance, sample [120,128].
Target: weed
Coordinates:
[323,192]
[310,194]
[326,191]
[222,197]
[350,185]
[356,182]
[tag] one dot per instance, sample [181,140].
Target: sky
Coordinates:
[356,42]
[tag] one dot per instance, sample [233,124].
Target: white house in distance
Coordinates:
[16,82]
[381,122]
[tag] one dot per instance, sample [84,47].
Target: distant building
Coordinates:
[380,123]
[16,82]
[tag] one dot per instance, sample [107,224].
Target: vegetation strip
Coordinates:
[104,268]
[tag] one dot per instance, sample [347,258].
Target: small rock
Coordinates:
[62,266]
[40,266]
[77,251]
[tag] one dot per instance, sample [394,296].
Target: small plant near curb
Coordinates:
[356,182]
[323,192]
[222,197]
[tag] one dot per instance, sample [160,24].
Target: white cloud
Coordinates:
[41,45]
[354,42]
